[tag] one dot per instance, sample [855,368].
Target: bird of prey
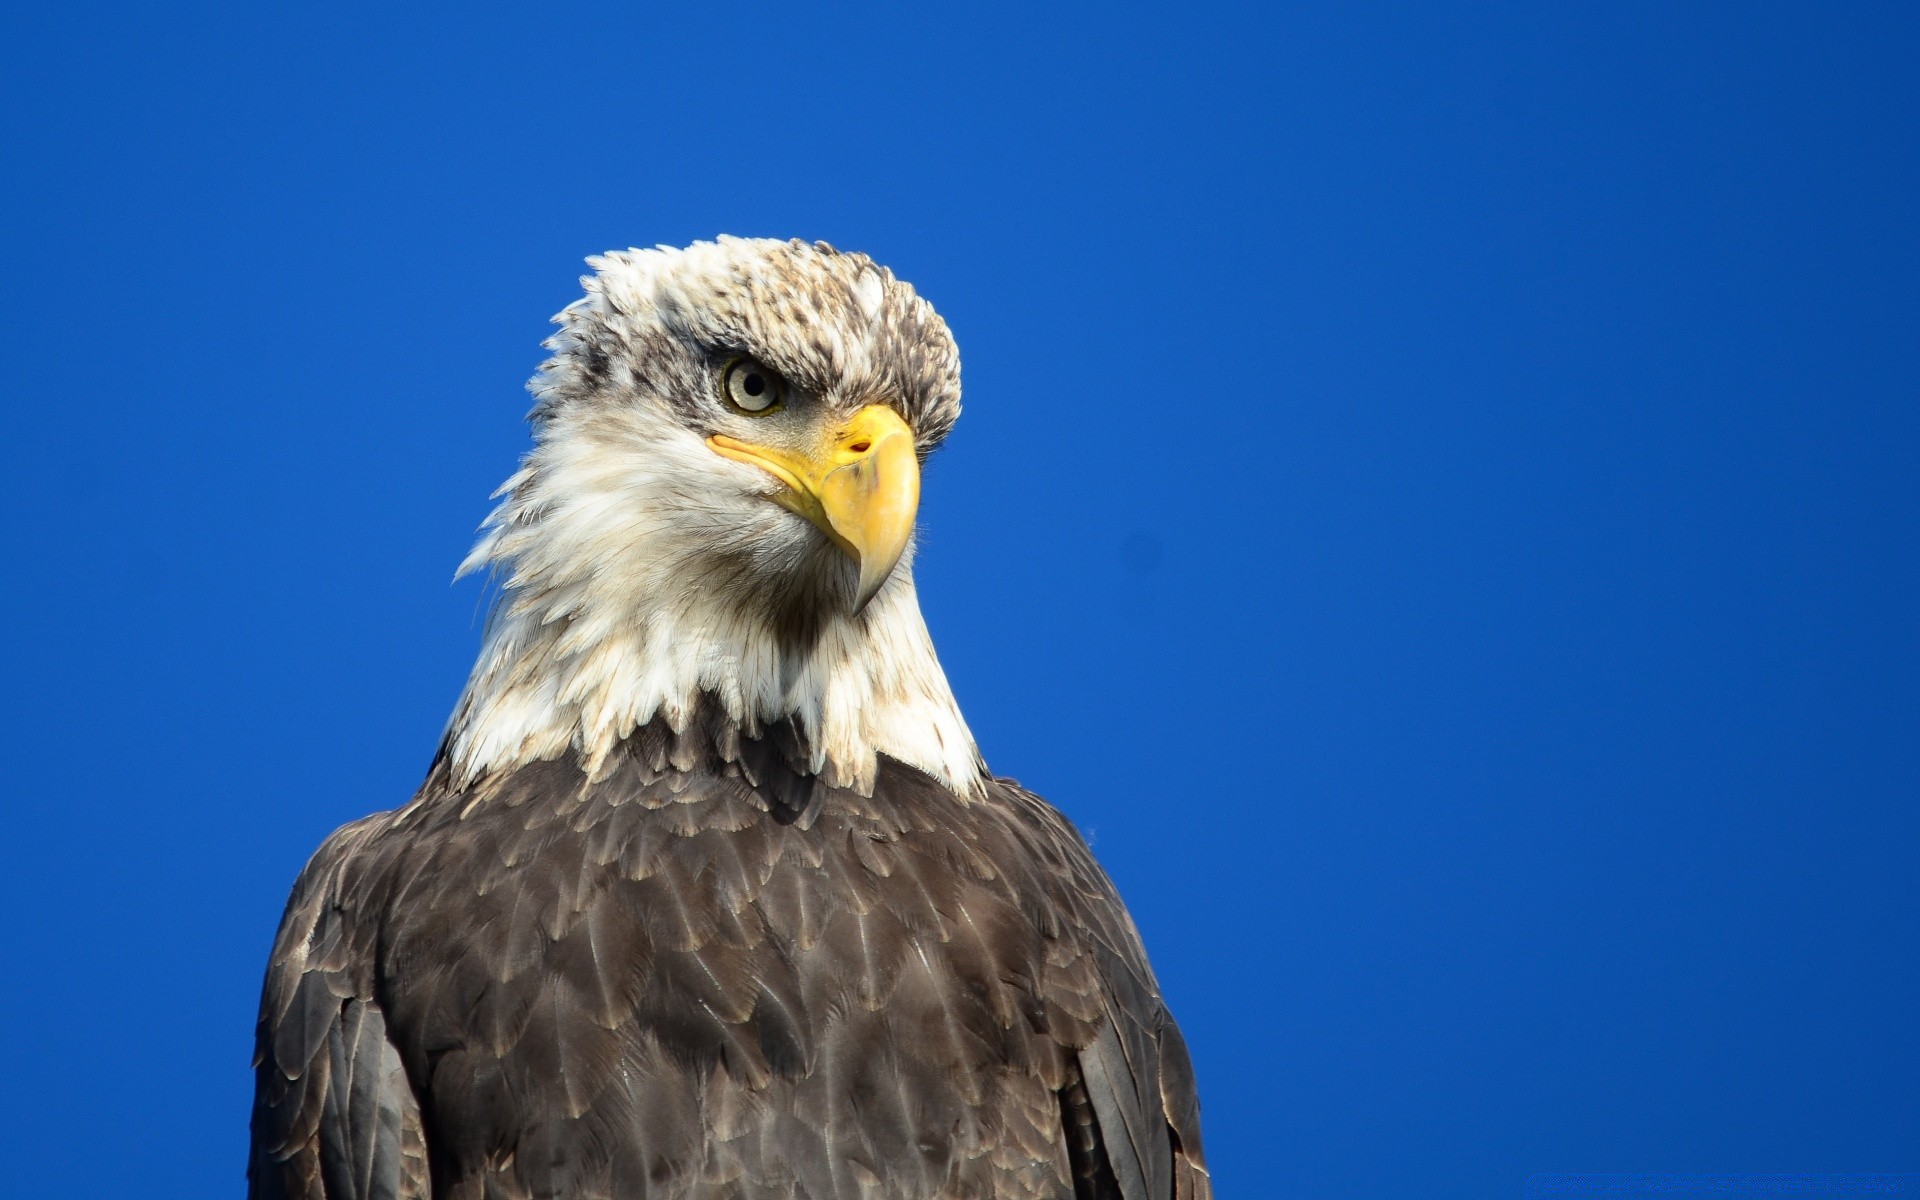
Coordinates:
[708,893]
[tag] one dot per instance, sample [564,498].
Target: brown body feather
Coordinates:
[704,975]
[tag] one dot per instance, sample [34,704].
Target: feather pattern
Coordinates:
[662,980]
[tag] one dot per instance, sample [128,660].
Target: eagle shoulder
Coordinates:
[1132,1104]
[334,1115]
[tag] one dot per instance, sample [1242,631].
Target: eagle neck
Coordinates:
[582,683]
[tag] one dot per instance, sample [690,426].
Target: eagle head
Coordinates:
[719,510]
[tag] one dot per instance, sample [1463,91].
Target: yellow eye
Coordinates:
[752,388]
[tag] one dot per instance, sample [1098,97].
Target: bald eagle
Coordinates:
[707,892]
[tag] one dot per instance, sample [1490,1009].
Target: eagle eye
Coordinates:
[751,387]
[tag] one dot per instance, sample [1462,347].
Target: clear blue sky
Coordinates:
[1437,503]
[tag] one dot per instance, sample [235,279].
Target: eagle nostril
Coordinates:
[861,446]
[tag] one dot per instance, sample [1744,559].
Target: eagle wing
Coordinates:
[334,1116]
[1133,1114]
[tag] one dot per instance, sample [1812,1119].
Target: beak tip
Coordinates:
[868,588]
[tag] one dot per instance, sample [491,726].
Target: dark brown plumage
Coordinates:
[704,975]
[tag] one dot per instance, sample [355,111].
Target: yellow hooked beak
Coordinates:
[861,486]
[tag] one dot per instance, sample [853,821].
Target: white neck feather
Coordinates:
[550,680]
[536,692]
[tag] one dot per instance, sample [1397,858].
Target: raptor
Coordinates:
[708,892]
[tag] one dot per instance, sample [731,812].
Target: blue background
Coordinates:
[1437,503]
